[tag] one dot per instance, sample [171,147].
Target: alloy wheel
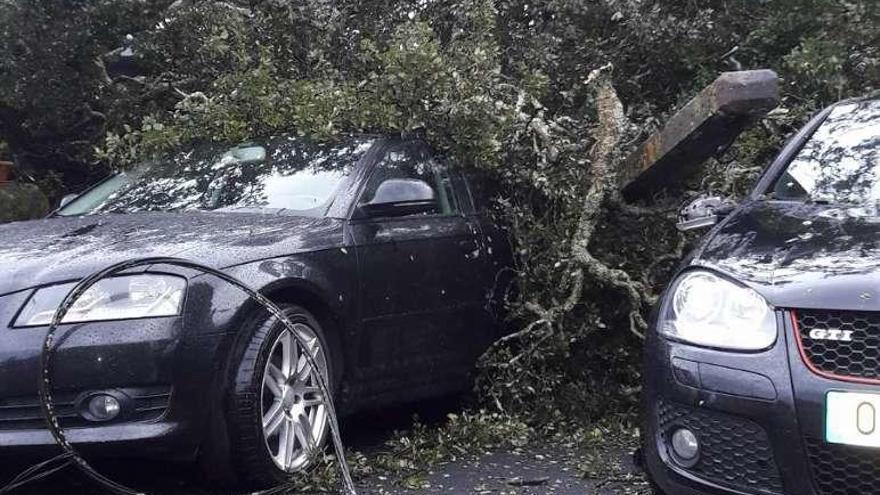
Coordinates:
[293,407]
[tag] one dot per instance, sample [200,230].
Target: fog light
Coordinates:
[685,446]
[103,407]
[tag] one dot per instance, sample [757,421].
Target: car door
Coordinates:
[419,300]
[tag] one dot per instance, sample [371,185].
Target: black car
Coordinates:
[763,364]
[382,255]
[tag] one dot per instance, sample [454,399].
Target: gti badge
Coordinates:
[831,334]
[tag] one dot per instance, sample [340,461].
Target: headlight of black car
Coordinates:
[708,310]
[118,298]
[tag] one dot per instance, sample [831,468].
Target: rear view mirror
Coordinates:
[398,197]
[704,211]
[246,154]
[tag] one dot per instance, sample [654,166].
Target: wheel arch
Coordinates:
[313,300]
[321,282]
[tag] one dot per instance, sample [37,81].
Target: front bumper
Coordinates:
[161,371]
[760,419]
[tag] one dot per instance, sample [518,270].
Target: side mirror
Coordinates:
[704,211]
[66,200]
[399,197]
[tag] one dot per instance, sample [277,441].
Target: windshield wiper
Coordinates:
[253,209]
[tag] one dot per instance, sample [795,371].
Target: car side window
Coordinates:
[409,163]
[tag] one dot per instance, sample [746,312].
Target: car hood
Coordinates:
[801,255]
[60,249]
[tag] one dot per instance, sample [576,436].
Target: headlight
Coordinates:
[117,298]
[705,309]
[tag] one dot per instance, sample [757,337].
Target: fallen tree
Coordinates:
[502,87]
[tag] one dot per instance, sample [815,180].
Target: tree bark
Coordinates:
[604,171]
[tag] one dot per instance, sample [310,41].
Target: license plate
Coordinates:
[852,418]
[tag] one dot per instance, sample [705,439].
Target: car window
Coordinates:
[409,162]
[840,163]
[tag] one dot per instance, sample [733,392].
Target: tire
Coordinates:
[274,400]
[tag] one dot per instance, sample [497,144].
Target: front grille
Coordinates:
[733,452]
[843,470]
[25,413]
[856,358]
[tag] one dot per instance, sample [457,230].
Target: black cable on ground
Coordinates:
[37,472]
[45,382]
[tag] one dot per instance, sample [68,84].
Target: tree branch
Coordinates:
[612,125]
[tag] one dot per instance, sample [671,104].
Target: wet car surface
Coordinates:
[761,368]
[383,257]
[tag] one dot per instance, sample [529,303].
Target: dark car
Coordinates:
[763,364]
[382,256]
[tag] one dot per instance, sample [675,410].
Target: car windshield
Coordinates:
[840,163]
[285,174]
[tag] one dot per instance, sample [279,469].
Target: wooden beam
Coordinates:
[703,128]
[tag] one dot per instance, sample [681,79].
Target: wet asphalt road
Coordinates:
[536,469]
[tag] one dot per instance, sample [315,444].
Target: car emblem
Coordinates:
[831,334]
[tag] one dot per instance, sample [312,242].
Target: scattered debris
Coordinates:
[519,481]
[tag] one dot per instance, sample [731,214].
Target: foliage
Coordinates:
[54,90]
[407,456]
[501,86]
[21,202]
